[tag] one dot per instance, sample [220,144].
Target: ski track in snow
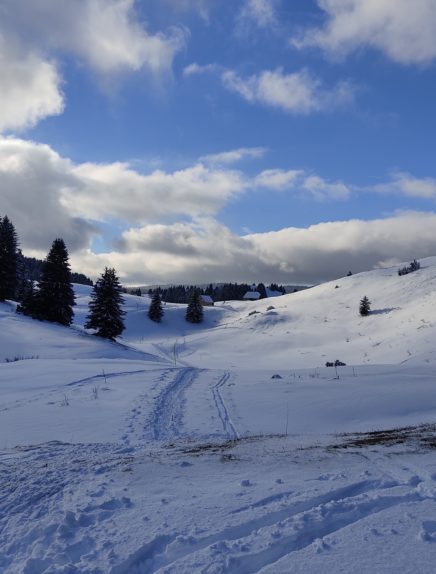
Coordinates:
[166,420]
[223,413]
[237,550]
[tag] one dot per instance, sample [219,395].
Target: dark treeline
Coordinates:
[32,269]
[414,266]
[221,292]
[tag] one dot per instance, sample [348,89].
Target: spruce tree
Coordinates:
[155,311]
[8,259]
[194,312]
[27,304]
[22,282]
[365,306]
[105,309]
[54,299]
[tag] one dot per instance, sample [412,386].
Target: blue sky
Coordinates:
[207,140]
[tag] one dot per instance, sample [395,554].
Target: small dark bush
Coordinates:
[414,266]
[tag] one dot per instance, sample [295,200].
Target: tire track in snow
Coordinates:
[167,415]
[223,413]
[321,515]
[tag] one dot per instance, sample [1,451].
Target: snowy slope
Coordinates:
[175,450]
[308,328]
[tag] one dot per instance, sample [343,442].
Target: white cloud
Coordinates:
[278,179]
[46,196]
[201,7]
[106,34]
[67,199]
[297,180]
[321,189]
[197,69]
[404,30]
[31,177]
[297,93]
[260,13]
[407,184]
[206,250]
[109,190]
[328,250]
[29,89]
[234,155]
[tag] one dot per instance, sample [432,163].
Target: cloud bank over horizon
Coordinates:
[153,245]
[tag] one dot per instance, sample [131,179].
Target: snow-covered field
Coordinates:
[227,446]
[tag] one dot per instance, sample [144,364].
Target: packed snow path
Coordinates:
[166,418]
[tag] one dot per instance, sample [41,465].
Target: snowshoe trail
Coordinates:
[166,420]
[248,547]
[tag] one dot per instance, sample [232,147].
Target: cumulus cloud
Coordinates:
[68,199]
[404,31]
[169,230]
[297,93]
[31,176]
[188,252]
[106,34]
[234,155]
[76,200]
[115,189]
[30,88]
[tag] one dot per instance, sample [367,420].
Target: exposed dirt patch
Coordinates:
[422,436]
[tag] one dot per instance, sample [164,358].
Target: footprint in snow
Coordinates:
[428,531]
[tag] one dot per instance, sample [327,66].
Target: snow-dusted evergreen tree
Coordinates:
[155,311]
[364,306]
[194,312]
[105,309]
[8,259]
[54,299]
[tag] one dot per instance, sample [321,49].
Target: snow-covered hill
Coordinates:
[220,447]
[304,329]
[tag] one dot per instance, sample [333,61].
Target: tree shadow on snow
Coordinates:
[384,311]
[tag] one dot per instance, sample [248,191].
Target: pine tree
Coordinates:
[194,312]
[8,259]
[27,304]
[105,309]
[22,282]
[365,306]
[155,311]
[54,299]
